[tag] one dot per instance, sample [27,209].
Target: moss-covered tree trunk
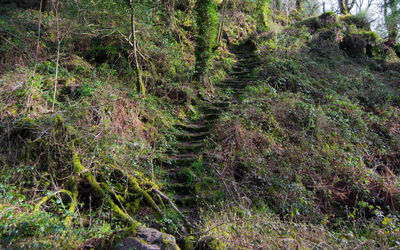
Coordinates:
[206,35]
[342,7]
[345,6]
[141,87]
[278,4]
[299,5]
[391,19]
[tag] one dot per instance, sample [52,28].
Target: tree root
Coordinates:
[187,224]
[79,169]
[46,198]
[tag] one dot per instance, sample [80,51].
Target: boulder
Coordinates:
[147,239]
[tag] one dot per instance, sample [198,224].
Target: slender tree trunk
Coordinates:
[393,26]
[58,53]
[299,5]
[36,55]
[221,24]
[390,20]
[205,39]
[142,88]
[38,36]
[278,4]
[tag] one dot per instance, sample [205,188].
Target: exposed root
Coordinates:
[98,191]
[46,198]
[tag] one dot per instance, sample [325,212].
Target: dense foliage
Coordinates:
[303,154]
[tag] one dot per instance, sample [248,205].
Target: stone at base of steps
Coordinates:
[148,239]
[142,238]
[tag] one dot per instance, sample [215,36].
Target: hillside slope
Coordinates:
[291,142]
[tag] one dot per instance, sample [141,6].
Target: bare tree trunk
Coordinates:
[58,53]
[36,55]
[38,36]
[221,24]
[142,88]
[299,4]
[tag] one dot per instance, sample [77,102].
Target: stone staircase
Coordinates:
[187,172]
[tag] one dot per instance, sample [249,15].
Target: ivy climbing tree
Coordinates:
[345,6]
[207,20]
[391,15]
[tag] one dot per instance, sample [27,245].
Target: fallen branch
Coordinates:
[173,206]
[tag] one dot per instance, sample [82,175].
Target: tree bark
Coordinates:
[390,20]
[342,7]
[141,86]
[299,5]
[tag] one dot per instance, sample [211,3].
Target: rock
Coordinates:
[148,239]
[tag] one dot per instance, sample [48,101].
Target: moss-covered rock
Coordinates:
[358,21]
[358,43]
[325,20]
[146,239]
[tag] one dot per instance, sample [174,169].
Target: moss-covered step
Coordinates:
[210,118]
[214,110]
[190,147]
[197,127]
[192,137]
[183,160]
[240,73]
[182,188]
[221,104]
[185,200]
[233,85]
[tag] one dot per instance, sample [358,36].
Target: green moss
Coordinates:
[189,243]
[78,167]
[358,21]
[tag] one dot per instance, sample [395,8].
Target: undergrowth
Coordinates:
[309,155]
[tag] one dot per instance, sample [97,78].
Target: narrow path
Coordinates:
[187,174]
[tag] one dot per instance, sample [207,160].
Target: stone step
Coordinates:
[233,84]
[196,127]
[210,117]
[234,88]
[232,80]
[187,156]
[183,162]
[214,110]
[244,72]
[249,64]
[244,67]
[183,189]
[190,147]
[190,137]
[245,55]
[221,104]
[246,61]
[182,177]
[185,200]
[241,79]
[187,210]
